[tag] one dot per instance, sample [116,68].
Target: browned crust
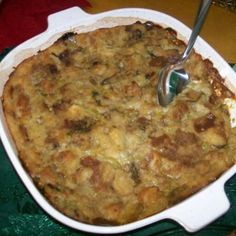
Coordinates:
[84,118]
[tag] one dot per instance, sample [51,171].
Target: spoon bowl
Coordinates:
[175,79]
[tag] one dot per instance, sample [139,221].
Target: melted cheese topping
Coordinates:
[84,118]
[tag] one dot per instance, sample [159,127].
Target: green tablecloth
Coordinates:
[20,214]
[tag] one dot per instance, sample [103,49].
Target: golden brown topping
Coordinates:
[83,125]
[148,76]
[185,138]
[133,90]
[135,173]
[149,195]
[94,164]
[215,136]
[193,95]
[122,184]
[83,175]
[23,104]
[47,86]
[143,122]
[48,176]
[158,61]
[152,199]
[66,162]
[180,109]
[52,69]
[24,133]
[172,55]
[65,57]
[164,145]
[113,210]
[107,173]
[89,161]
[205,122]
[84,117]
[61,105]
[136,34]
[53,141]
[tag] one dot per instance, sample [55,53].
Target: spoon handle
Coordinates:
[202,11]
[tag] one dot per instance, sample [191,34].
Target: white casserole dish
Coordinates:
[193,213]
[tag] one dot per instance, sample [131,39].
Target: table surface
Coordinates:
[219,29]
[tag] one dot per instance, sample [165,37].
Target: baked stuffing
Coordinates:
[84,118]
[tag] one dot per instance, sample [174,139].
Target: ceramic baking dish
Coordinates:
[192,213]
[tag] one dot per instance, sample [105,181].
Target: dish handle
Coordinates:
[66,17]
[198,211]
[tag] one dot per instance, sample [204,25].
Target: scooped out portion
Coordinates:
[85,121]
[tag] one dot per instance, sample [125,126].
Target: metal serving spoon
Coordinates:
[173,78]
